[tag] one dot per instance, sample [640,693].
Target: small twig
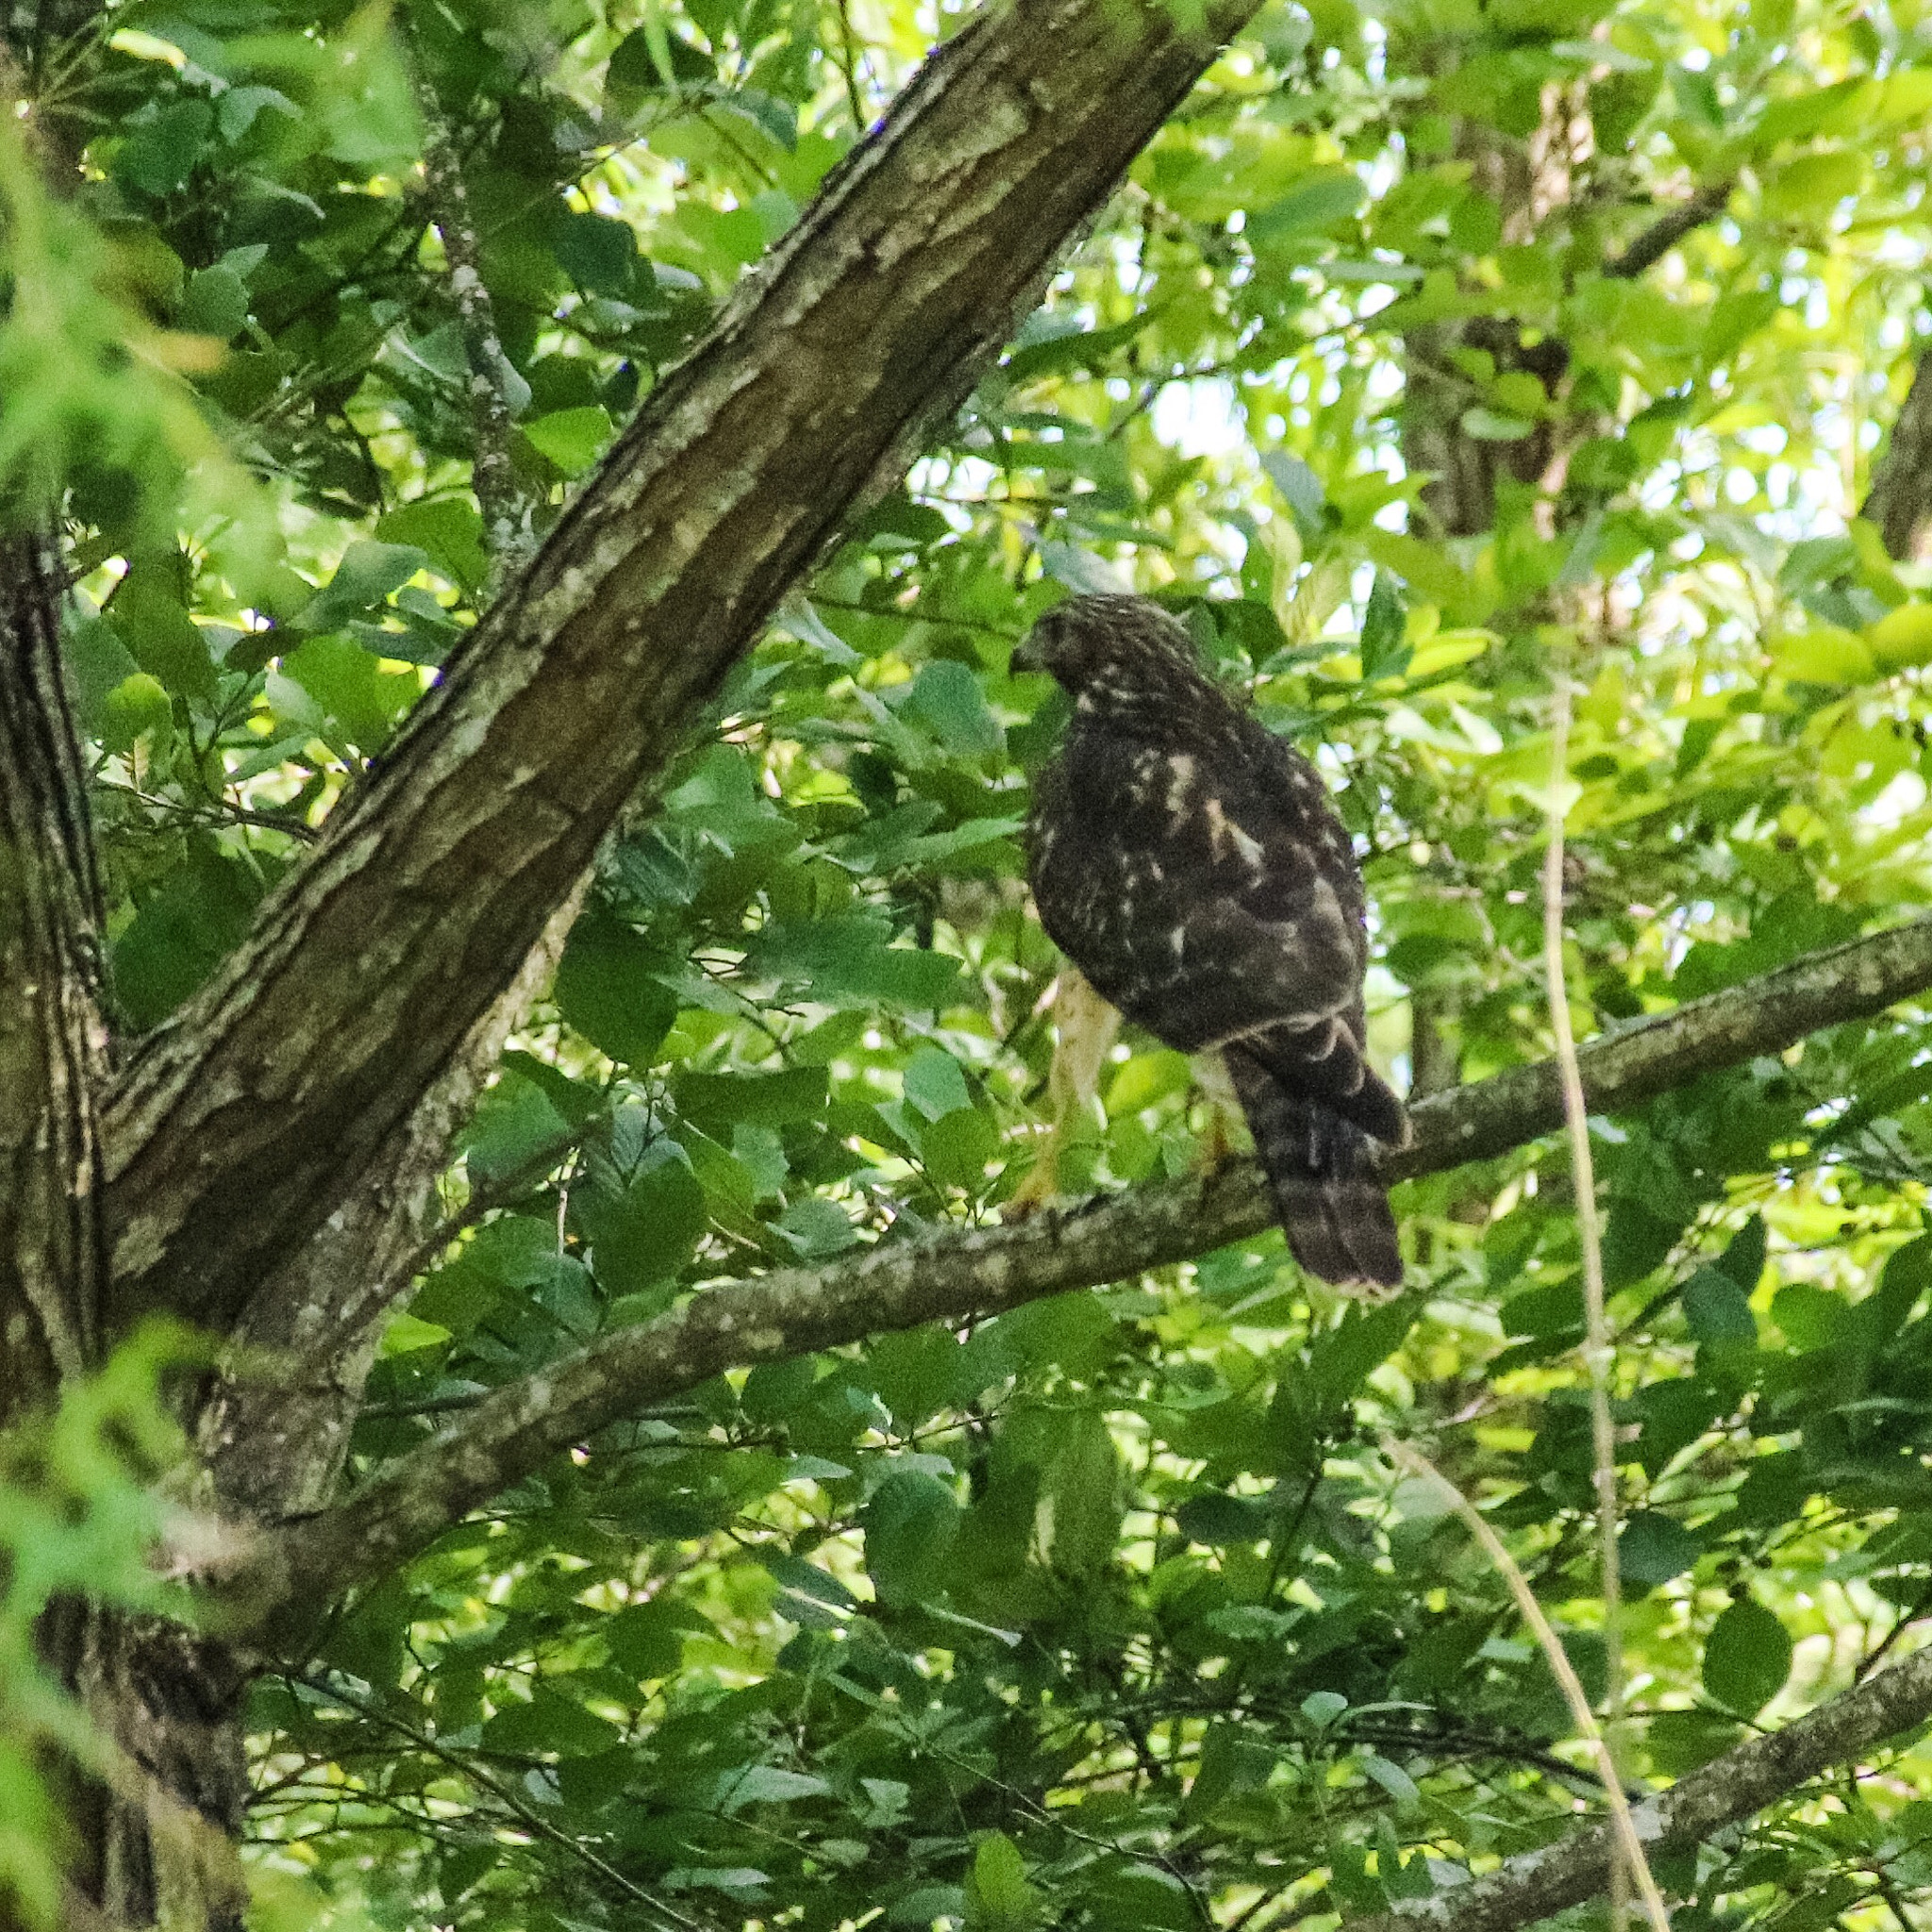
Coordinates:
[1599,1350]
[219,812]
[499,495]
[1417,1465]
[526,1815]
[1663,235]
[848,66]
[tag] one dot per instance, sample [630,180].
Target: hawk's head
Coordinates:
[1101,648]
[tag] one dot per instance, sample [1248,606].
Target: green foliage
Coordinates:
[1102,1612]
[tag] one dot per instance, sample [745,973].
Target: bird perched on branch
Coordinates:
[1189,863]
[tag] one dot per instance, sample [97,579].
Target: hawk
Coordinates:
[1189,863]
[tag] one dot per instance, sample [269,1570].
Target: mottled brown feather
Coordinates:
[1191,864]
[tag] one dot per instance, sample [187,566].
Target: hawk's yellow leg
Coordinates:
[1084,1030]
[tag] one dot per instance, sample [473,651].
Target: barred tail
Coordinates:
[1333,1208]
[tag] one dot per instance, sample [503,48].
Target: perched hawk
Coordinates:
[1187,861]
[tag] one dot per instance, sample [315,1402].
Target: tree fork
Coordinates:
[243,1122]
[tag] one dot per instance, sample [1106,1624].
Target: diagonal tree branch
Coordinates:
[950,1277]
[1649,248]
[1900,502]
[1727,1791]
[242,1125]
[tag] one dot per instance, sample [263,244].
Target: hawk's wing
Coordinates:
[1206,886]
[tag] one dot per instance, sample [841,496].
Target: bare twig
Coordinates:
[1628,1843]
[506,537]
[1598,1347]
[1723,1792]
[533,1821]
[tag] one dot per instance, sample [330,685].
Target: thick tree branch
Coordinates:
[274,1429]
[949,1276]
[242,1123]
[1725,1791]
[1900,502]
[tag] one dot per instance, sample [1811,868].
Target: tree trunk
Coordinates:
[151,1825]
[153,1833]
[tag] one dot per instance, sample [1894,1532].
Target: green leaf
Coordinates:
[817,1227]
[1747,1657]
[572,439]
[1383,652]
[998,1896]
[180,933]
[1219,1520]
[1652,1548]
[1717,1309]
[364,578]
[1081,1503]
[647,1639]
[647,1237]
[216,304]
[136,706]
[1492,425]
[718,1102]
[850,957]
[1320,200]
[935,1084]
[1301,490]
[768,1784]
[946,697]
[446,531]
[550,1725]
[911,1526]
[606,988]
[515,1123]
[597,252]
[160,156]
[165,641]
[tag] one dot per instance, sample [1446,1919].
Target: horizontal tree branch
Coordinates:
[950,1275]
[244,1122]
[1727,1791]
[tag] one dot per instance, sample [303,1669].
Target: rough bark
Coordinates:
[53,1040]
[1900,502]
[950,1277]
[153,1839]
[1725,1791]
[242,1123]
[275,1430]
[153,1842]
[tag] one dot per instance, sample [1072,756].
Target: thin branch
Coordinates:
[501,498]
[1725,1791]
[528,1816]
[1663,235]
[1629,1844]
[950,1275]
[1599,1349]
